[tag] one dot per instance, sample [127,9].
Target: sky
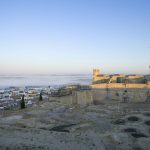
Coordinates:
[74,36]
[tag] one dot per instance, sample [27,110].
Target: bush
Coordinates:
[22,103]
[40,98]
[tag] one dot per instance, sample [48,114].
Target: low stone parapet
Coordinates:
[119,85]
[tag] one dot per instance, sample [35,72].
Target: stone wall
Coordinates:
[119,85]
[133,94]
[99,94]
[96,72]
[82,97]
[147,77]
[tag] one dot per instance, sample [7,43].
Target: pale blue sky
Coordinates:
[74,36]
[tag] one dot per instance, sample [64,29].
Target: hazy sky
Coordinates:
[74,36]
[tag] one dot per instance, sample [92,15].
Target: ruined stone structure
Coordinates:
[119,78]
[78,97]
[82,98]
[99,78]
[136,88]
[117,94]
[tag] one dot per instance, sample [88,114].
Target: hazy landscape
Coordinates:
[74,74]
[43,80]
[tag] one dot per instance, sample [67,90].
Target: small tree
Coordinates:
[22,102]
[40,98]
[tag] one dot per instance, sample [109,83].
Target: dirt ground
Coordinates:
[51,125]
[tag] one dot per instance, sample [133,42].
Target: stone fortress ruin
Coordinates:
[119,78]
[104,87]
[133,88]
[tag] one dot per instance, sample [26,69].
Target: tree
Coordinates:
[40,98]
[22,102]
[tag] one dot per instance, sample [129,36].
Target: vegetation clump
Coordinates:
[130,130]
[119,122]
[22,104]
[41,97]
[147,122]
[147,114]
[138,135]
[133,118]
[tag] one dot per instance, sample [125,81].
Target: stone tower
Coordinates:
[96,72]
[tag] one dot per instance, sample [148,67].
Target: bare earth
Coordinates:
[108,125]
